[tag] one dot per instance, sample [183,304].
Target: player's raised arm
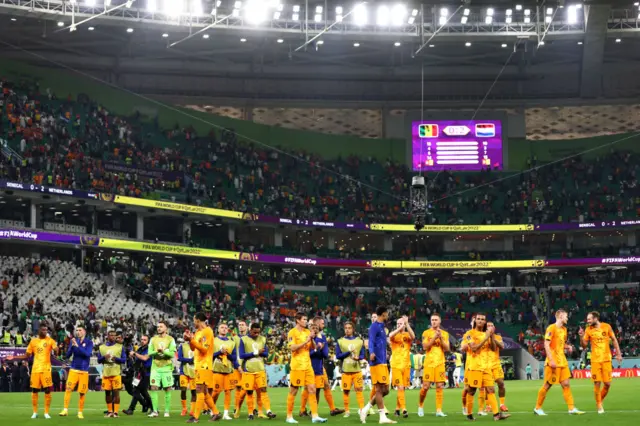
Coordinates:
[446,344]
[497,340]
[54,347]
[408,327]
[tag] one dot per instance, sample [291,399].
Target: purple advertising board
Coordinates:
[459,145]
[457,328]
[48,237]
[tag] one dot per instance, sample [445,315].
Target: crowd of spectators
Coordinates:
[76,143]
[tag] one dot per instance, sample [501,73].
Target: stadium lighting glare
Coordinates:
[579,5]
[618,40]
[165,35]
[318,9]
[90,3]
[339,10]
[317,17]
[508,19]
[218,3]
[235,12]
[464,20]
[60,24]
[255,11]
[549,11]
[382,17]
[509,12]
[442,20]
[548,19]
[467,44]
[295,17]
[107,3]
[152,6]
[398,12]
[129,30]
[527,12]
[174,8]
[518,7]
[397,44]
[356,44]
[414,12]
[411,20]
[466,12]
[237,5]
[296,8]
[572,15]
[243,40]
[360,14]
[488,19]
[527,20]
[276,15]
[490,11]
[206,36]
[503,45]
[444,12]
[196,7]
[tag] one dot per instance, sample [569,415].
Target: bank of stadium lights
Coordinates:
[444,13]
[360,14]
[527,16]
[339,12]
[488,19]
[509,16]
[572,14]
[152,6]
[296,12]
[412,18]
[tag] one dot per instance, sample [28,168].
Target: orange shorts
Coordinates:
[352,379]
[401,377]
[41,380]
[112,383]
[379,374]
[554,376]
[187,382]
[601,371]
[223,382]
[497,373]
[319,380]
[434,374]
[204,377]
[478,379]
[299,378]
[254,381]
[237,379]
[79,378]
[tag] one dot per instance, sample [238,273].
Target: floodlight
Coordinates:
[518,7]
[466,12]
[165,35]
[527,20]
[295,17]
[90,3]
[196,7]
[280,41]
[129,30]
[397,44]
[548,19]
[508,19]
[509,12]
[276,15]
[572,15]
[411,20]
[174,8]
[237,5]
[91,28]
[527,12]
[618,40]
[60,24]
[243,40]
[398,12]
[255,11]
[318,9]
[442,20]
[317,17]
[339,10]
[504,45]
[549,11]
[464,20]
[444,12]
[579,43]
[206,36]
[490,11]
[382,17]
[152,6]
[467,44]
[488,19]
[235,12]
[360,15]
[541,43]
[296,8]
[414,12]
[356,44]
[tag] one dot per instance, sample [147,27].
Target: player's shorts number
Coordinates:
[298,382]
[475,382]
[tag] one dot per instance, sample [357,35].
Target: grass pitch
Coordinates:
[621,405]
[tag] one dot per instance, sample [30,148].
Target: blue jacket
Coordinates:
[147,363]
[248,355]
[122,359]
[81,354]
[343,355]
[318,356]
[182,360]
[232,355]
[378,343]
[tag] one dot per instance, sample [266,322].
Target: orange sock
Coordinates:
[469,404]
[200,401]
[493,402]
[116,407]
[67,398]
[345,401]
[482,396]
[360,399]
[250,404]
[329,397]
[192,407]
[227,400]
[568,398]
[81,402]
[290,401]
[313,403]
[266,402]
[208,399]
[304,399]
[439,399]
[542,394]
[47,402]
[605,391]
[34,401]
[502,399]
[598,395]
[184,404]
[240,394]
[401,403]
[110,407]
[423,396]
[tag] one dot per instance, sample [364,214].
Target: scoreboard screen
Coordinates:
[463,145]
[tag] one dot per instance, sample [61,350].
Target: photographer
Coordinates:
[142,368]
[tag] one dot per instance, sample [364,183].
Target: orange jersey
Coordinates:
[203,359]
[558,338]
[300,359]
[435,356]
[41,351]
[494,355]
[600,339]
[401,350]
[478,360]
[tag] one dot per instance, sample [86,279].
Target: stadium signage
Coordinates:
[615,373]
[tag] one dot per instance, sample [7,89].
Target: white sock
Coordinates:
[383,416]
[226,412]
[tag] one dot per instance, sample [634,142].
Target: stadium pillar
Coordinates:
[232,233]
[186,232]
[35,215]
[631,240]
[277,238]
[139,227]
[388,243]
[508,244]
[94,223]
[569,241]
[331,242]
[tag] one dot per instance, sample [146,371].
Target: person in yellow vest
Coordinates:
[252,353]
[187,378]
[240,391]
[350,352]
[224,364]
[112,356]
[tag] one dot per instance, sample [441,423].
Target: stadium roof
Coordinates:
[270,42]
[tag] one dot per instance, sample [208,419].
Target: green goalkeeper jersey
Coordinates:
[162,350]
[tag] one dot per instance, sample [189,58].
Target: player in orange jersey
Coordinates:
[301,341]
[477,342]
[556,367]
[40,348]
[401,339]
[466,365]
[496,366]
[601,335]
[201,343]
[435,342]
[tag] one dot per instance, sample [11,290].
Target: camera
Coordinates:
[418,200]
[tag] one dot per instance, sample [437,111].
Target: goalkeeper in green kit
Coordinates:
[162,349]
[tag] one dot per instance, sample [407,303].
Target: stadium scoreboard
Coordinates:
[458,145]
